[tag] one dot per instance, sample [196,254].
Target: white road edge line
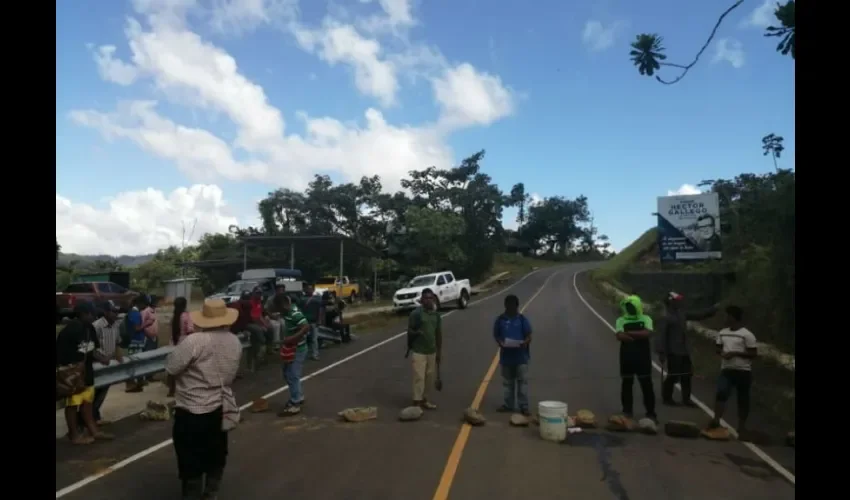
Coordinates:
[142,454]
[708,411]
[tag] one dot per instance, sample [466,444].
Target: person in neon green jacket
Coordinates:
[634,329]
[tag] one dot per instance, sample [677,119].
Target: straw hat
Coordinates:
[213,314]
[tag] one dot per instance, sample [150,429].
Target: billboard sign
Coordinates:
[689,227]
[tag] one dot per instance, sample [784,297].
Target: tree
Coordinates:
[554,225]
[519,198]
[772,145]
[58,249]
[786,29]
[648,56]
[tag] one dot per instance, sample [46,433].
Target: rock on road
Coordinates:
[316,456]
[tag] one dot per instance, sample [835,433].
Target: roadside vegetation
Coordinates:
[445,219]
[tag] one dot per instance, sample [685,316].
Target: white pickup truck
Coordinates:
[443,284]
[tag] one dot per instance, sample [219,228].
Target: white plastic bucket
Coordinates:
[553,420]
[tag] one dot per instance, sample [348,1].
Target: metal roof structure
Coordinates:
[329,247]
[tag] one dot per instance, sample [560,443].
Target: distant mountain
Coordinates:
[124,260]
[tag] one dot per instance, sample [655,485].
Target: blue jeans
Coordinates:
[515,383]
[313,341]
[292,376]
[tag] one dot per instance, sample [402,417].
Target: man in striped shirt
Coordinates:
[107,329]
[293,352]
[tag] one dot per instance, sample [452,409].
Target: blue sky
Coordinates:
[185,113]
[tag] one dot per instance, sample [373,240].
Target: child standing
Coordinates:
[633,331]
[737,346]
[512,331]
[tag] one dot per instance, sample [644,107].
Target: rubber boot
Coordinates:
[193,489]
[213,484]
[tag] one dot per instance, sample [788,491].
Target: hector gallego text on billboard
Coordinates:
[687,208]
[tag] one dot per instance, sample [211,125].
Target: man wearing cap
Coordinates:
[78,343]
[674,348]
[107,331]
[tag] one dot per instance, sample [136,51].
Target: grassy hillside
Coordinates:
[628,257]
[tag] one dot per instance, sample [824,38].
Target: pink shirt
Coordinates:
[148,314]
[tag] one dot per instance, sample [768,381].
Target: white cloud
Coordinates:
[470,97]
[597,37]
[684,189]
[140,222]
[338,43]
[192,72]
[397,16]
[114,70]
[729,50]
[762,16]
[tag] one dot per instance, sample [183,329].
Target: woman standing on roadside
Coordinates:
[181,326]
[204,365]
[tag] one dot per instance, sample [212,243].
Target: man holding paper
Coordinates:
[512,331]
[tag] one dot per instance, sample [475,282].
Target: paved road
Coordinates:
[315,456]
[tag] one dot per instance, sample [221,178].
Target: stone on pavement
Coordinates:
[474,417]
[519,420]
[259,405]
[682,429]
[716,434]
[156,412]
[360,414]
[621,423]
[410,414]
[648,426]
[585,419]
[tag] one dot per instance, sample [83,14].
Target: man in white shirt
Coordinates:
[737,346]
[107,329]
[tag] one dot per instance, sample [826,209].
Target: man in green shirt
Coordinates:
[425,345]
[293,352]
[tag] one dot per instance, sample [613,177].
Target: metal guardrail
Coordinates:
[138,365]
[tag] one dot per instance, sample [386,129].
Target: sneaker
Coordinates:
[505,409]
[289,410]
[669,402]
[427,405]
[525,412]
[689,404]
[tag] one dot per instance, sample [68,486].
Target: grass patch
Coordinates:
[614,267]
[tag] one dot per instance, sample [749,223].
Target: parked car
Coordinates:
[444,285]
[344,288]
[95,291]
[265,279]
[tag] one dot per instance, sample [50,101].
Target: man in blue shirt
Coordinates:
[512,331]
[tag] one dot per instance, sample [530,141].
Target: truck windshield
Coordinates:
[423,281]
[237,287]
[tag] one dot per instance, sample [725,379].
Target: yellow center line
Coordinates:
[456,454]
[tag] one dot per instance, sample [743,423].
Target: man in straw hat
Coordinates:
[204,366]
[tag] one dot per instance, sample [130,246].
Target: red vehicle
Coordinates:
[92,292]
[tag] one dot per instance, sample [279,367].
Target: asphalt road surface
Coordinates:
[315,456]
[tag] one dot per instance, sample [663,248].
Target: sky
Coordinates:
[174,118]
